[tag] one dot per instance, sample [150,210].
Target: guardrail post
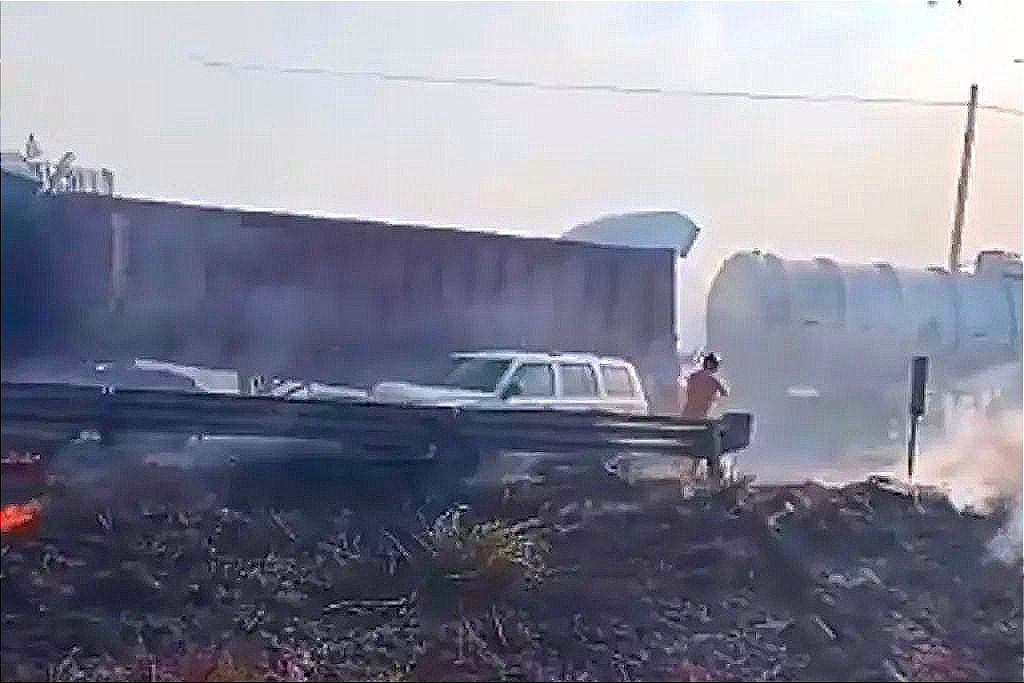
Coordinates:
[104,423]
[715,453]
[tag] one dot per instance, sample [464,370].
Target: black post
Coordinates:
[918,384]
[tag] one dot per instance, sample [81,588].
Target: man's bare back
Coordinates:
[702,390]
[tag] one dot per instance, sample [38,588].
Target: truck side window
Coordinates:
[617,381]
[578,380]
[536,379]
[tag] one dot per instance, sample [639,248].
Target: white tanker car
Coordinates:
[820,350]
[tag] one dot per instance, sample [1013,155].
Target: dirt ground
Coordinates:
[145,572]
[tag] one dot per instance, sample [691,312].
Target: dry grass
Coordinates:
[489,549]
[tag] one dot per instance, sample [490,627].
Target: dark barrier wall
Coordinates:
[91,277]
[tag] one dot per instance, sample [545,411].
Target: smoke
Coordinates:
[980,469]
[980,466]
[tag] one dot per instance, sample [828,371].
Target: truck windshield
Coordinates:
[476,374]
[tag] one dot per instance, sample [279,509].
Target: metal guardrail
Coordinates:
[387,431]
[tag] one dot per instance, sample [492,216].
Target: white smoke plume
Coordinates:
[980,468]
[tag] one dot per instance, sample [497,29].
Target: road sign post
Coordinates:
[918,384]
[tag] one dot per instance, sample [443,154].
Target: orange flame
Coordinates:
[15,517]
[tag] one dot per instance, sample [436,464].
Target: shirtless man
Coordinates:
[703,389]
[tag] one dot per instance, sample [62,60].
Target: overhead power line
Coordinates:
[488,81]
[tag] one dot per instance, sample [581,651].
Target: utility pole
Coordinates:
[955,242]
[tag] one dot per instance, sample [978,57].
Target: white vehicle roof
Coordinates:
[205,379]
[541,357]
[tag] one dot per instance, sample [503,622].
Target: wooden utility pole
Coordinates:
[961,188]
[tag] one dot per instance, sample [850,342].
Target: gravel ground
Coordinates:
[154,573]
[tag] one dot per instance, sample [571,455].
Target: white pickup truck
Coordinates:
[522,379]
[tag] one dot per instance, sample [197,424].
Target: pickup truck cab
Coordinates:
[521,379]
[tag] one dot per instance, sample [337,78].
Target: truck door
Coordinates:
[536,383]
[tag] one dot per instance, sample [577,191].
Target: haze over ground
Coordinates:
[119,84]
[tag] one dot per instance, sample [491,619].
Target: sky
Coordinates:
[123,86]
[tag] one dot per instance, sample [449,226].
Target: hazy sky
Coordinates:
[118,85]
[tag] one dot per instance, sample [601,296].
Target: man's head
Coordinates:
[711,362]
